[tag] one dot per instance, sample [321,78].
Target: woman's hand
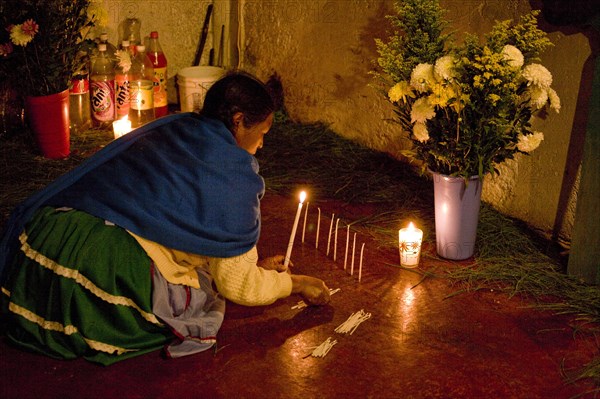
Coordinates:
[313,290]
[273,263]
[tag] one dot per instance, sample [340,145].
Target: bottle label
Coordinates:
[122,95]
[103,105]
[142,96]
[79,86]
[160,87]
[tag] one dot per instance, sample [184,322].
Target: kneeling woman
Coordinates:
[119,256]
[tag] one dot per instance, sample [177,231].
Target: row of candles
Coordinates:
[409,241]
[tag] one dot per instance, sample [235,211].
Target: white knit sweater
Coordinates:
[238,278]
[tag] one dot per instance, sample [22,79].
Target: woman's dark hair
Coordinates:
[238,92]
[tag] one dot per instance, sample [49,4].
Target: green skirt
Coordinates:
[80,287]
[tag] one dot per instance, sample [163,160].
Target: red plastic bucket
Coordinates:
[48,117]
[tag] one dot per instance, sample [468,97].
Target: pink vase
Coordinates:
[48,118]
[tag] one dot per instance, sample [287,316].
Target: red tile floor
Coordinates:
[418,343]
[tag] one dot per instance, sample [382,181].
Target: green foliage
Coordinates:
[419,38]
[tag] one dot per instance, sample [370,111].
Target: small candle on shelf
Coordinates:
[409,243]
[121,127]
[288,254]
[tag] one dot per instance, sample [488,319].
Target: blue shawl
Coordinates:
[181,181]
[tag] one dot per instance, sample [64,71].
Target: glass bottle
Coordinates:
[159,64]
[102,82]
[141,105]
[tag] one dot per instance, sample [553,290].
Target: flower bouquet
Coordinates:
[465,108]
[41,47]
[42,40]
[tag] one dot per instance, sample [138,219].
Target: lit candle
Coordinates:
[304,225]
[121,127]
[288,254]
[409,243]
[347,240]
[330,229]
[337,222]
[318,226]
[362,248]
[353,248]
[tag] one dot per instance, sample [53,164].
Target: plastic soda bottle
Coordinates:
[159,64]
[131,31]
[141,105]
[110,48]
[102,82]
[122,79]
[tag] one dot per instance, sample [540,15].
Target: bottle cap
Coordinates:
[140,47]
[154,35]
[125,43]
[101,47]
[104,36]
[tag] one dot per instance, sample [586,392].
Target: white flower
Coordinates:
[400,91]
[513,55]
[538,97]
[421,111]
[422,76]
[124,59]
[420,132]
[538,75]
[554,100]
[530,142]
[444,67]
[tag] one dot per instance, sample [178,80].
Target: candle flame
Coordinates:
[411,226]
[302,196]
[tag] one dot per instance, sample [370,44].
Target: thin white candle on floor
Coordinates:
[337,222]
[330,229]
[347,241]
[352,264]
[362,248]
[288,254]
[304,225]
[318,226]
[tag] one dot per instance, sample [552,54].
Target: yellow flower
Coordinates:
[97,12]
[18,36]
[494,98]
[440,95]
[400,91]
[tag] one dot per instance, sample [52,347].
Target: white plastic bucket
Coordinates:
[193,83]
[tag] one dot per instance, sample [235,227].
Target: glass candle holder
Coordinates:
[409,244]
